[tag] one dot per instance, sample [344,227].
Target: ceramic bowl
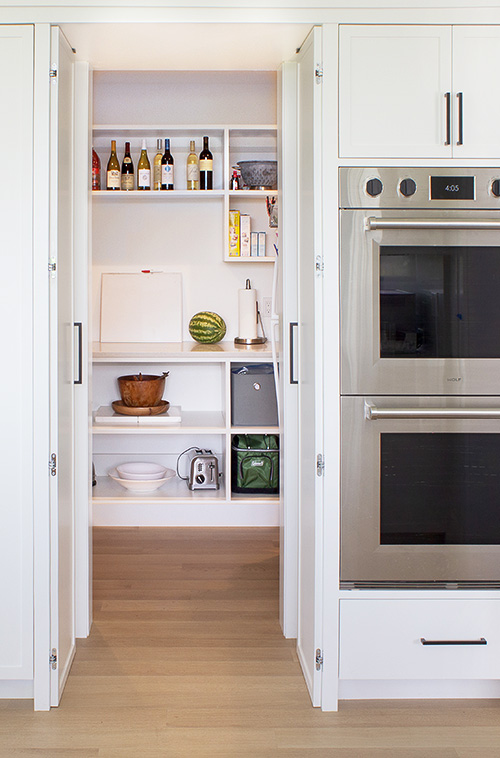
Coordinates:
[141,471]
[144,486]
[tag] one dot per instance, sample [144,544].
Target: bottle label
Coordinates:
[206,164]
[167,173]
[127,181]
[144,177]
[113,179]
[192,172]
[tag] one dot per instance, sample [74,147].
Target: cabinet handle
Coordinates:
[293,324]
[480,641]
[447,97]
[460,98]
[78,325]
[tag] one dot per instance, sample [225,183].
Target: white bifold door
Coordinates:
[310,351]
[62,370]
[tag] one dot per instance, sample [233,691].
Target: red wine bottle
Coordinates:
[206,167]
[167,168]
[127,181]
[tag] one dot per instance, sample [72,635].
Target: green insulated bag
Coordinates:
[255,464]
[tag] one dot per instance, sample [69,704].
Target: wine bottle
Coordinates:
[144,169]
[167,168]
[96,171]
[127,170]
[113,169]
[157,165]
[206,167]
[192,168]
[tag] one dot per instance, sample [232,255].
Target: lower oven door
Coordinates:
[420,491]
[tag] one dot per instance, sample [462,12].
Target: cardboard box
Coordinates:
[234,234]
[254,244]
[262,245]
[245,224]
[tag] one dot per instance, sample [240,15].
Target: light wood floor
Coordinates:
[186,660]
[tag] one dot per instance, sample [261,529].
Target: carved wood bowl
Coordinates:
[142,390]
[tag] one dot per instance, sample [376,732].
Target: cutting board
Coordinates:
[141,307]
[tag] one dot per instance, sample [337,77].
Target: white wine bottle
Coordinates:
[127,170]
[192,168]
[157,165]
[113,169]
[144,169]
[206,167]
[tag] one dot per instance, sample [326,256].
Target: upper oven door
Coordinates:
[420,302]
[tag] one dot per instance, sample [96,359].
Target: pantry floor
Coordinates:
[186,660]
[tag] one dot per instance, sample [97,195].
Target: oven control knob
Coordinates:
[407,187]
[374,187]
[495,187]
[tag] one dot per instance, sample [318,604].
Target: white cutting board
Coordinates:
[141,307]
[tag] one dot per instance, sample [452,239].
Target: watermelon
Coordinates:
[207,327]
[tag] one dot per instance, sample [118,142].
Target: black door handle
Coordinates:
[293,324]
[78,325]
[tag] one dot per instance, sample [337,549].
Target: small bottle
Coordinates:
[206,167]
[113,169]
[157,165]
[192,168]
[167,168]
[144,169]
[127,180]
[235,183]
[96,171]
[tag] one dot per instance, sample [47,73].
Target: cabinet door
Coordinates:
[16,312]
[476,81]
[393,86]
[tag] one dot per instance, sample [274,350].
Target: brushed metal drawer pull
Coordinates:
[480,641]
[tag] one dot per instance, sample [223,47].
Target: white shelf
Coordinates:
[193,422]
[250,259]
[158,194]
[255,430]
[178,352]
[175,489]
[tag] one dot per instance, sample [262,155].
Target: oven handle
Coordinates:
[372,413]
[425,223]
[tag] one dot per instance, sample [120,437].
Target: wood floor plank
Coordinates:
[186,660]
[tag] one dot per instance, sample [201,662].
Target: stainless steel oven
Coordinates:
[420,407]
[420,281]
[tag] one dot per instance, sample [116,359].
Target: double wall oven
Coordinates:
[420,377]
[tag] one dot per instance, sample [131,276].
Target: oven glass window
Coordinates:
[440,489]
[439,302]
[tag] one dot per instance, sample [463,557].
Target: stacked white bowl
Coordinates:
[141,477]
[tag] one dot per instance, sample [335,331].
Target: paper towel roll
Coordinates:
[247,314]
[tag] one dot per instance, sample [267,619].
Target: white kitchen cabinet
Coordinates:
[200,384]
[418,92]
[416,639]
[16,310]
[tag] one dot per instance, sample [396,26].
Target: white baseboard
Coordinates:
[416,689]
[16,689]
[186,514]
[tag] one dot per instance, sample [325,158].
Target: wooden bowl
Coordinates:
[141,390]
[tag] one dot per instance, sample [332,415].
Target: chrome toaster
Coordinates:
[203,470]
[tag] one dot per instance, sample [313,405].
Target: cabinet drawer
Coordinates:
[382,639]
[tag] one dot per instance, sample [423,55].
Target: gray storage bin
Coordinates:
[253,395]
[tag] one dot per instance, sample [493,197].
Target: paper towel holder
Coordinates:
[254,340]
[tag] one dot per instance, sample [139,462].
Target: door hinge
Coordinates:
[320,264]
[320,465]
[53,659]
[318,73]
[52,266]
[319,659]
[53,72]
[53,464]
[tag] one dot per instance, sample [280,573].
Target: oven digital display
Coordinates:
[452,187]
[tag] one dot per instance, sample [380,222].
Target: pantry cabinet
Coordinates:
[199,389]
[185,232]
[418,91]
